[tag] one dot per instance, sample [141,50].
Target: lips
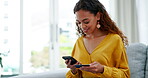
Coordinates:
[85,30]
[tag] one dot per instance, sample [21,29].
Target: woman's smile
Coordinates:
[85,30]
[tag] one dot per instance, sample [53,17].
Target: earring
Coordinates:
[98,25]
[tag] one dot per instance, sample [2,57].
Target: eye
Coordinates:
[86,22]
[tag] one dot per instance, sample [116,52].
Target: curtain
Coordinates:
[124,13]
[142,10]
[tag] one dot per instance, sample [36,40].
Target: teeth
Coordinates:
[85,29]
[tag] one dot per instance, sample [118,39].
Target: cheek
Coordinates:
[93,25]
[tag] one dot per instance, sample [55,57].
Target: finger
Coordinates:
[78,63]
[93,63]
[68,66]
[71,66]
[87,68]
[69,62]
[94,71]
[66,61]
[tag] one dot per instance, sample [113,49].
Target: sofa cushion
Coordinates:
[146,72]
[136,53]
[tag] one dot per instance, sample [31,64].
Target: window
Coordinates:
[35,36]
[10,36]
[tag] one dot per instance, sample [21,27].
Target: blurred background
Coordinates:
[35,34]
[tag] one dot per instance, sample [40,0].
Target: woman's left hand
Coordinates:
[94,67]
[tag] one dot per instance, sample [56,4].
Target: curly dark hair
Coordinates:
[107,24]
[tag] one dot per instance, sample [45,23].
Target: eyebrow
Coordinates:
[83,19]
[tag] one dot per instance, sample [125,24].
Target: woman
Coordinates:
[101,44]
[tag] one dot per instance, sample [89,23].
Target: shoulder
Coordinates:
[115,37]
[80,38]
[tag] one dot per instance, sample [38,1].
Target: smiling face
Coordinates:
[87,21]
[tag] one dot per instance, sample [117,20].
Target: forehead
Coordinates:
[82,14]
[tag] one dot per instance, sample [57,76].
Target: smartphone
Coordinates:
[73,60]
[78,66]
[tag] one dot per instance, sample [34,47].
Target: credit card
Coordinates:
[78,66]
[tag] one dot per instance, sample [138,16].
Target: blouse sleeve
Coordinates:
[120,72]
[121,69]
[71,75]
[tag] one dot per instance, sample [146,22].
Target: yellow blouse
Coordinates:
[110,53]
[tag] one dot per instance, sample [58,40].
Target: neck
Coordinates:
[96,34]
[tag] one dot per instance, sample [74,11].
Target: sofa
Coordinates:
[137,57]
[138,60]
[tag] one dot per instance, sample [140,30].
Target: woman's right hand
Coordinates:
[72,67]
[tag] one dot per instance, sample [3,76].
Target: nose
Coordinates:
[82,25]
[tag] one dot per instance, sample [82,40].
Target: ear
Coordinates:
[98,16]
